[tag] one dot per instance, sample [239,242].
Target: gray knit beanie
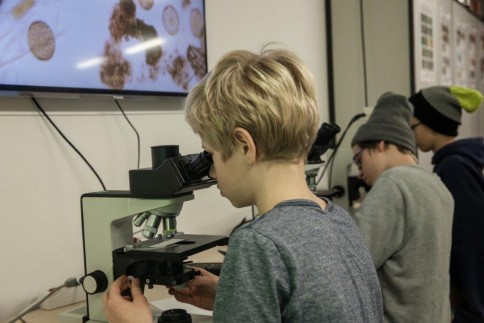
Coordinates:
[440,107]
[390,121]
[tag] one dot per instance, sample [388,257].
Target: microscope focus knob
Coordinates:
[95,282]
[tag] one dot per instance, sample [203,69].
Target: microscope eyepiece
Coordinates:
[200,166]
[324,141]
[174,175]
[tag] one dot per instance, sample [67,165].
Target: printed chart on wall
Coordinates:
[139,45]
[460,35]
[426,42]
[481,58]
[472,58]
[445,46]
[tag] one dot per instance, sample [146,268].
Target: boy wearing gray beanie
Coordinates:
[406,218]
[459,163]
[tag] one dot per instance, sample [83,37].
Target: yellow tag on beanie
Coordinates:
[469,99]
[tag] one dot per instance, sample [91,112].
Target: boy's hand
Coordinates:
[199,292]
[126,309]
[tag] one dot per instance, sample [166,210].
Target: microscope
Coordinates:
[155,198]
[324,140]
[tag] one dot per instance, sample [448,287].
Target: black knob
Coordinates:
[175,315]
[95,282]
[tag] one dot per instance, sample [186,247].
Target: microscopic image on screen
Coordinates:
[146,47]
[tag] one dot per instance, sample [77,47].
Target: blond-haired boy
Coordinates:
[303,258]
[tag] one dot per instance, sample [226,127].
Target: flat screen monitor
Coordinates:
[112,47]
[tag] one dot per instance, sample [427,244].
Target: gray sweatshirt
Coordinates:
[406,221]
[298,263]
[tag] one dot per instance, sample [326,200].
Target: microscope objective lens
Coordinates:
[151,226]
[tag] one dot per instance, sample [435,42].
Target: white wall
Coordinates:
[42,179]
[387,65]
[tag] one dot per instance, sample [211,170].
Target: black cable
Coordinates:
[135,131]
[67,140]
[363,51]
[330,61]
[333,154]
[411,48]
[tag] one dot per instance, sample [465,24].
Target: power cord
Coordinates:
[338,144]
[134,129]
[70,282]
[67,140]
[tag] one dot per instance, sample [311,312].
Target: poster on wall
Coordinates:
[445,46]
[481,56]
[460,54]
[426,44]
[472,58]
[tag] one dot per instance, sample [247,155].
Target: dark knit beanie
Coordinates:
[440,107]
[390,121]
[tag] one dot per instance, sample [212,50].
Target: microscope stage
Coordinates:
[177,248]
[161,261]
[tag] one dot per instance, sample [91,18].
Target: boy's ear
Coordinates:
[246,143]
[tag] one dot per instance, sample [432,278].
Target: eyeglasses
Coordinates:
[357,158]
[415,125]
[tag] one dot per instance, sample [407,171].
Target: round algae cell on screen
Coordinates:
[196,23]
[41,40]
[171,21]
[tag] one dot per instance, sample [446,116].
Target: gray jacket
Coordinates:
[406,221]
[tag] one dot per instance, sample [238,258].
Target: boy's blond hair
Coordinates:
[272,95]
